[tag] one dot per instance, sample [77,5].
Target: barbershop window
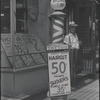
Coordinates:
[5,16]
[28,49]
[21,16]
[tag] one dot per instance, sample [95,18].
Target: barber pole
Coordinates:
[58,27]
[58,18]
[58,55]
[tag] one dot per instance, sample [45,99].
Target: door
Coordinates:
[86,36]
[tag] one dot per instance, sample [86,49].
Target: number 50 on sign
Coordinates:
[59,73]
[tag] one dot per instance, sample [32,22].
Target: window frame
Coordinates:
[24,20]
[13,28]
[6,8]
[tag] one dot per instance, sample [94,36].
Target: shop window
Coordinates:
[21,16]
[5,16]
[29,50]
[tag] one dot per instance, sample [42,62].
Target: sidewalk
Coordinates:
[89,92]
[87,89]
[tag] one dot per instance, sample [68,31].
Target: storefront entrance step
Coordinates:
[19,97]
[8,98]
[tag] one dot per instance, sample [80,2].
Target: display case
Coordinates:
[17,46]
[29,52]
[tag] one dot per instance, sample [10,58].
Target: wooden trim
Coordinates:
[13,27]
[24,69]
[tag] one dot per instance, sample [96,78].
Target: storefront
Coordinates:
[25,33]
[24,36]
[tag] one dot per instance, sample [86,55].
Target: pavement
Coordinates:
[81,82]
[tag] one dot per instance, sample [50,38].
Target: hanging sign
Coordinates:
[58,4]
[59,73]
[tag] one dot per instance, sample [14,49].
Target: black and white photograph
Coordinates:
[49,49]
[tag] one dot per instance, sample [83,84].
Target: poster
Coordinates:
[18,63]
[38,58]
[27,59]
[6,43]
[45,56]
[26,46]
[59,73]
[4,61]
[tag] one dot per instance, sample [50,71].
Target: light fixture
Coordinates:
[2,15]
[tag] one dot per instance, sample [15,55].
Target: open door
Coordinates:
[84,15]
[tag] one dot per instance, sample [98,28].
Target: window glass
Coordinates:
[21,16]
[5,16]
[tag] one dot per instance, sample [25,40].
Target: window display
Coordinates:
[29,50]
[26,50]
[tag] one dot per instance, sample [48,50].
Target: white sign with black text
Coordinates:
[59,73]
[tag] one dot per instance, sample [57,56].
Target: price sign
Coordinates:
[7,43]
[59,73]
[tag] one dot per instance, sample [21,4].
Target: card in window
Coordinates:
[38,58]
[28,60]
[45,56]
[18,62]
[4,60]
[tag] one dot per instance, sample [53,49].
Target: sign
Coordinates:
[58,4]
[59,73]
[4,61]
[24,44]
[45,56]
[19,63]
[38,58]
[6,43]
[28,60]
[28,49]
[57,47]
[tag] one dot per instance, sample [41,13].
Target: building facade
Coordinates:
[25,33]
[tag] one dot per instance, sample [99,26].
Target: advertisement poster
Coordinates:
[27,59]
[24,44]
[38,58]
[4,61]
[27,50]
[6,43]
[59,73]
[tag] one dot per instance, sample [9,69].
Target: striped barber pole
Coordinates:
[58,29]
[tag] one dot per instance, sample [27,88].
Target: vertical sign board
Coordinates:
[59,73]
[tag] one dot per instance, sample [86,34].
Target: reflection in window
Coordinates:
[5,16]
[21,16]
